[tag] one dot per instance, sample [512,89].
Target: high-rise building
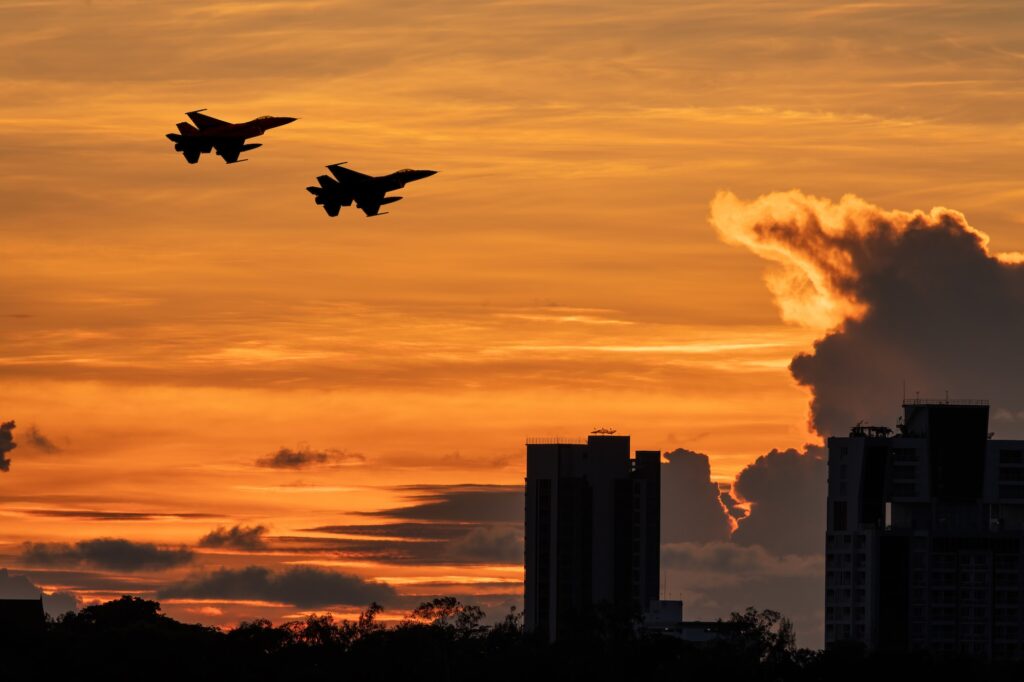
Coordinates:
[925,536]
[593,526]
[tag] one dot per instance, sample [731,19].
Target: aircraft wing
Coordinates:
[344,174]
[370,203]
[229,149]
[203,121]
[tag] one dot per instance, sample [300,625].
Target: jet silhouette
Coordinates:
[366,190]
[228,139]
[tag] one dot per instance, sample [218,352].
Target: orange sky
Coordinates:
[166,325]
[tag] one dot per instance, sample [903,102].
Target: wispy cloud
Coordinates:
[301,458]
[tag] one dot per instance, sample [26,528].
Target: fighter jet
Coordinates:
[228,139]
[367,191]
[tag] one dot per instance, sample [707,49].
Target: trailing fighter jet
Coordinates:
[367,191]
[228,139]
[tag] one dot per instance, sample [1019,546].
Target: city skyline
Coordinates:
[643,220]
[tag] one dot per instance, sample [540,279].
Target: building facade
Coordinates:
[593,527]
[925,535]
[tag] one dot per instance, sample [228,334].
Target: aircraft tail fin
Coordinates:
[187,128]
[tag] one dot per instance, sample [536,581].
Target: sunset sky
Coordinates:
[165,327]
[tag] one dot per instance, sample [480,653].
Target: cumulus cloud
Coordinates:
[302,586]
[732,505]
[108,553]
[691,510]
[6,444]
[236,537]
[20,587]
[786,491]
[908,297]
[286,458]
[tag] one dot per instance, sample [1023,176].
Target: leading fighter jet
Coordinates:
[228,139]
[366,190]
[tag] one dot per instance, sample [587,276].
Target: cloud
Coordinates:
[786,491]
[6,444]
[908,297]
[729,560]
[286,458]
[107,553]
[236,537]
[37,440]
[479,504]
[732,505]
[34,439]
[100,515]
[20,587]
[417,531]
[488,544]
[302,586]
[423,543]
[690,507]
[716,578]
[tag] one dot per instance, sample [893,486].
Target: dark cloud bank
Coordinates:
[236,537]
[457,503]
[113,554]
[304,587]
[457,524]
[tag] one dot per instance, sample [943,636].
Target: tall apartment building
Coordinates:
[593,527]
[925,536]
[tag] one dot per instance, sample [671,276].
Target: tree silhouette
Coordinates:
[450,614]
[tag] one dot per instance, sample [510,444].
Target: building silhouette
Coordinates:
[593,527]
[925,535]
[21,617]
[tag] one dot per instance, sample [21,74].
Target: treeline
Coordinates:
[443,639]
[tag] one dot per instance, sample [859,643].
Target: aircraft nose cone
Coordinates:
[276,121]
[425,174]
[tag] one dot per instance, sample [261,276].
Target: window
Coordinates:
[1011,456]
